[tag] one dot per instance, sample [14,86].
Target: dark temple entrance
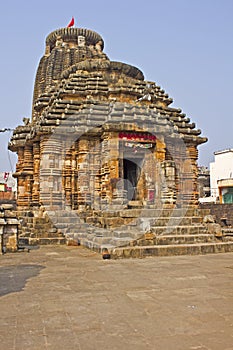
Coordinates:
[132,171]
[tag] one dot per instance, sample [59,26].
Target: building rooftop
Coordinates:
[224,151]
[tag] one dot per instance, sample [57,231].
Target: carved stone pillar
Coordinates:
[160,155]
[67,176]
[28,176]
[51,193]
[20,178]
[193,155]
[109,166]
[187,176]
[95,167]
[36,174]
[169,185]
[113,160]
[84,197]
[74,177]
[149,176]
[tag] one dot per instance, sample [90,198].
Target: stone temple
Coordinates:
[104,160]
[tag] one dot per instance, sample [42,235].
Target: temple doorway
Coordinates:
[132,172]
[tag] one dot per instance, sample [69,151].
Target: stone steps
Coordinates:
[227,234]
[227,231]
[163,213]
[160,240]
[105,237]
[46,235]
[158,227]
[47,241]
[134,239]
[174,221]
[70,225]
[147,232]
[179,229]
[97,238]
[177,239]
[65,221]
[66,226]
[113,241]
[133,234]
[171,250]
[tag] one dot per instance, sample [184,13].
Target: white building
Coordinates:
[7,182]
[221,176]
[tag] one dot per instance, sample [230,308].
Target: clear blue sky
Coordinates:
[185,46]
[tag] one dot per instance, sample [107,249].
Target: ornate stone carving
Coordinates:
[72,153]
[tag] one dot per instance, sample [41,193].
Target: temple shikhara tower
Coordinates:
[103,152]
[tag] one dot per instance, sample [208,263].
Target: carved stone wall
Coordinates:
[95,126]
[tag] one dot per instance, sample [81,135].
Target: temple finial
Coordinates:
[71,23]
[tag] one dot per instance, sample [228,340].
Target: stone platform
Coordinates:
[141,232]
[60,297]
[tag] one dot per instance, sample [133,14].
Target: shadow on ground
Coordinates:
[13,278]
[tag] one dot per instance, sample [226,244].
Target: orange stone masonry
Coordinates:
[101,140]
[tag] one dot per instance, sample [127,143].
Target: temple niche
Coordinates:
[101,142]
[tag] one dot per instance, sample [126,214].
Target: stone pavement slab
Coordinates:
[60,297]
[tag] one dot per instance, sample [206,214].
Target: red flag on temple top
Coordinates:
[71,23]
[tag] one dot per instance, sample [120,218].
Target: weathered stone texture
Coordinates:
[8,228]
[223,213]
[100,139]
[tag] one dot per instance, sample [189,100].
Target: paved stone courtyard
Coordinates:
[69,298]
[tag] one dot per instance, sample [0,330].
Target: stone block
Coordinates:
[214,229]
[11,244]
[53,230]
[209,219]
[149,236]
[208,249]
[72,242]
[114,221]
[7,206]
